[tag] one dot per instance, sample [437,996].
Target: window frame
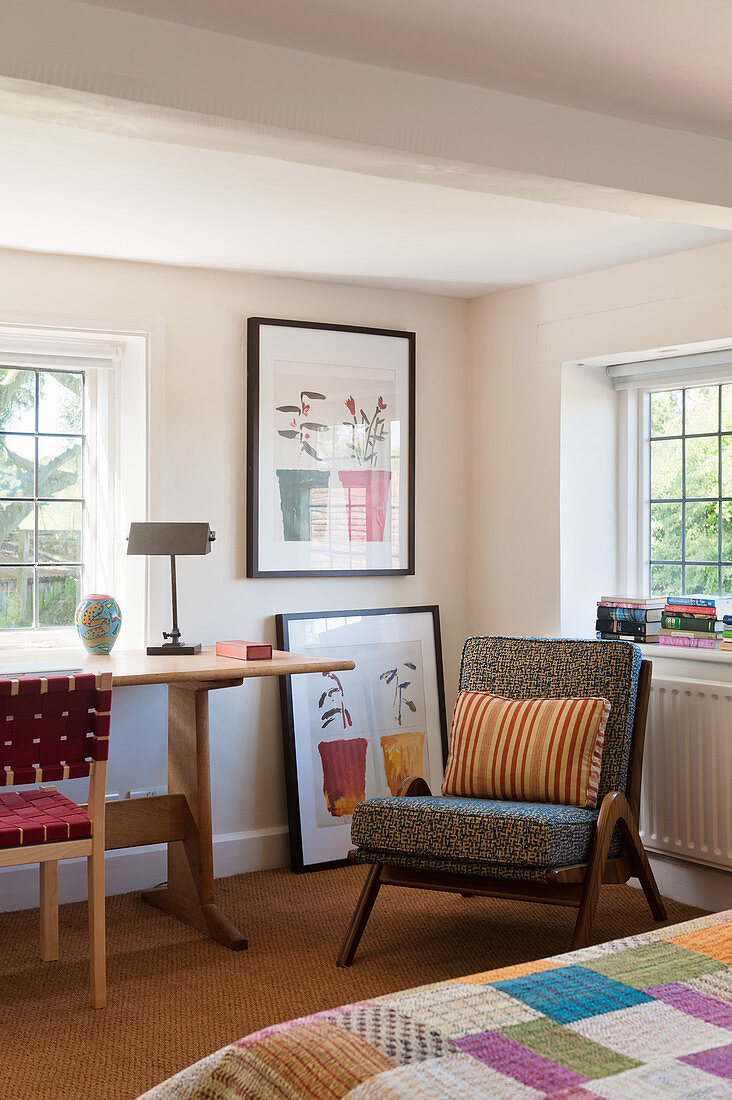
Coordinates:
[36,434]
[117,395]
[638,485]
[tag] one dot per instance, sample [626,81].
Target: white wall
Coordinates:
[527,559]
[199,411]
[489,474]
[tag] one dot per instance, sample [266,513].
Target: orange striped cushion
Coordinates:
[526,750]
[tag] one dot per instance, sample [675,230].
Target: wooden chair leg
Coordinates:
[49,910]
[614,811]
[97,945]
[642,868]
[360,916]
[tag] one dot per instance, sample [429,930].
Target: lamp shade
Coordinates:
[169,538]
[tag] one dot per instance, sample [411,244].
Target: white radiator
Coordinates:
[686,799]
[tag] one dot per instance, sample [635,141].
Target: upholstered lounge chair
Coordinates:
[522,850]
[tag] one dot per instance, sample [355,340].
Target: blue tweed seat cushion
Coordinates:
[473,832]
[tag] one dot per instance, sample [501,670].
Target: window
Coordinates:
[73,474]
[42,509]
[690,489]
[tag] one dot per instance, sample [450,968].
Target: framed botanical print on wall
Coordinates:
[330,450]
[358,734]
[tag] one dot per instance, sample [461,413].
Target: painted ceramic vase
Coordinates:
[98,620]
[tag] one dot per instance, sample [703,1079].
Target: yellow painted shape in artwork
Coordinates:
[403,757]
[344,806]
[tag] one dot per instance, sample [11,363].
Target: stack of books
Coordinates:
[690,622]
[629,618]
[726,639]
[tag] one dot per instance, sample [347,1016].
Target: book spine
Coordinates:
[640,639]
[688,622]
[672,633]
[618,626]
[623,614]
[684,609]
[692,601]
[642,604]
[687,643]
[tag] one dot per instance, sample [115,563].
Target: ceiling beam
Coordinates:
[82,65]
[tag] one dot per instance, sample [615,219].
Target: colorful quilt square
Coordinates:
[335,1061]
[462,1010]
[597,950]
[571,993]
[665,1080]
[516,1061]
[387,998]
[574,1092]
[504,972]
[717,984]
[651,965]
[651,1031]
[455,1075]
[715,942]
[396,1034]
[717,1061]
[568,1049]
[693,1003]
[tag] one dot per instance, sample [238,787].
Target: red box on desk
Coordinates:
[245,651]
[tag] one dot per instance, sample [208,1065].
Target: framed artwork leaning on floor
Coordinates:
[330,450]
[357,734]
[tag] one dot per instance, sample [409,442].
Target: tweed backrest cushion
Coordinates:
[525,668]
[526,750]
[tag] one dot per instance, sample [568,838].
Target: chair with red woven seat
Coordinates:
[52,729]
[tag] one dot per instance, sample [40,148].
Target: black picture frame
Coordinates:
[257,500]
[300,778]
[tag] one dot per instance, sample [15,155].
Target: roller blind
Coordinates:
[671,371]
[57,353]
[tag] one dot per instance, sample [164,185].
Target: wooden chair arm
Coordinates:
[413,785]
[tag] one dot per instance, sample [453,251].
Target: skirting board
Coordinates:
[130,869]
[691,883]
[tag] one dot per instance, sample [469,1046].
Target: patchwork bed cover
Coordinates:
[646,1017]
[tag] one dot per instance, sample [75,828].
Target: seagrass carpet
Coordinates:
[175,996]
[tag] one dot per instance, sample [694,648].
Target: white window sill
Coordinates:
[657,652]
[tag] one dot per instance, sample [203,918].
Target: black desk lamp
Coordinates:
[169,539]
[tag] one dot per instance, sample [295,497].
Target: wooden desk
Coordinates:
[182,818]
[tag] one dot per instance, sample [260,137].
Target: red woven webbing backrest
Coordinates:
[54,727]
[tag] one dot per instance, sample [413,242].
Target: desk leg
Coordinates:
[189,893]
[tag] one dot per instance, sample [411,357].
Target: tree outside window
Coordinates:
[42,452]
[690,444]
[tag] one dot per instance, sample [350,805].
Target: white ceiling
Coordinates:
[81,192]
[660,61]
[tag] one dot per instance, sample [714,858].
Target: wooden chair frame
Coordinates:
[47,856]
[577,887]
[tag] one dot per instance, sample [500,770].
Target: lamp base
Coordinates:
[173,649]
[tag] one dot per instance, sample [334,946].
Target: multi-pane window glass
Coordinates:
[41,497]
[691,491]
